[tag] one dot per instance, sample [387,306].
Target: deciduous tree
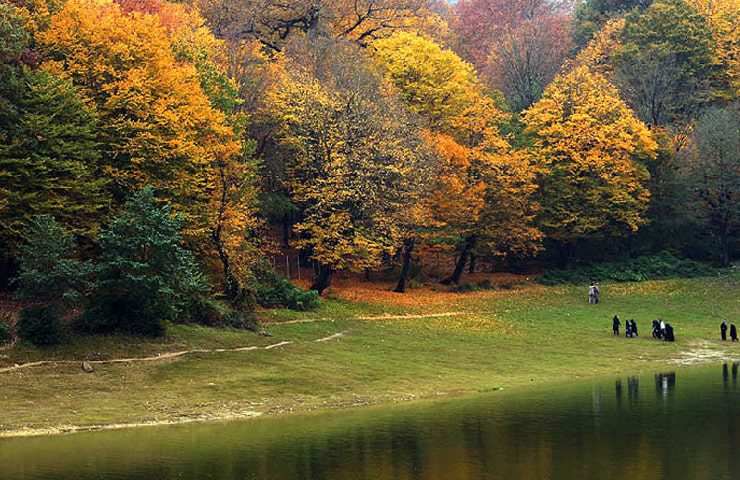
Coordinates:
[167,113]
[588,145]
[592,15]
[353,153]
[476,164]
[713,172]
[722,17]
[275,22]
[518,45]
[665,65]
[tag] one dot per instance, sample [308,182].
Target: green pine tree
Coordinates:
[48,156]
[146,277]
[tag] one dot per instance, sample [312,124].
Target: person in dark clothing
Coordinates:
[723,330]
[733,333]
[656,329]
[633,324]
[627,329]
[615,325]
[668,335]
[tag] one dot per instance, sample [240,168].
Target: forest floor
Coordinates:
[365,345]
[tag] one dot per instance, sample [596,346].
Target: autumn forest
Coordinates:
[161,154]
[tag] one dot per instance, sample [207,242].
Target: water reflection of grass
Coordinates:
[510,339]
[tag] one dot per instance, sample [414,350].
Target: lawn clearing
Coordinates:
[374,349]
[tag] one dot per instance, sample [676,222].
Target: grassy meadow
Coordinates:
[367,345]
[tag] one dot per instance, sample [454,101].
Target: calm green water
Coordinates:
[682,424]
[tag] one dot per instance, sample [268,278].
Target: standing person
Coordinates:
[733,332]
[627,329]
[597,293]
[634,327]
[723,330]
[615,325]
[668,335]
[656,329]
[662,328]
[592,292]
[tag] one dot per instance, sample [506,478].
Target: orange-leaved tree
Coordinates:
[477,168]
[160,124]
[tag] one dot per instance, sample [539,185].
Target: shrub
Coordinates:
[662,265]
[40,325]
[207,311]
[236,319]
[133,313]
[6,333]
[465,287]
[274,290]
[49,272]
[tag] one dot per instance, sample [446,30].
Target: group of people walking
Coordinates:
[630,327]
[723,331]
[661,329]
[664,331]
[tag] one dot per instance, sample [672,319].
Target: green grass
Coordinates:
[509,339]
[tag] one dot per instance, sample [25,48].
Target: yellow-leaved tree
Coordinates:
[482,193]
[353,159]
[722,17]
[588,145]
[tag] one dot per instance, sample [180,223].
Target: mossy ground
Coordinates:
[420,345]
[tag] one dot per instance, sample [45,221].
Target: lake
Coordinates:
[681,423]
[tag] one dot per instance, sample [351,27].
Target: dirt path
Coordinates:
[153,358]
[170,355]
[161,356]
[332,337]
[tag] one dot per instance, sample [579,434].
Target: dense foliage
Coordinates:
[662,265]
[275,290]
[40,325]
[144,277]
[358,136]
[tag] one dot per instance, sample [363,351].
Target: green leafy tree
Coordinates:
[665,65]
[47,143]
[51,279]
[714,174]
[146,277]
[591,15]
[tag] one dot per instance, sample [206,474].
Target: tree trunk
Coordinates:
[568,255]
[408,249]
[323,279]
[286,230]
[471,268]
[461,261]
[726,257]
[231,287]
